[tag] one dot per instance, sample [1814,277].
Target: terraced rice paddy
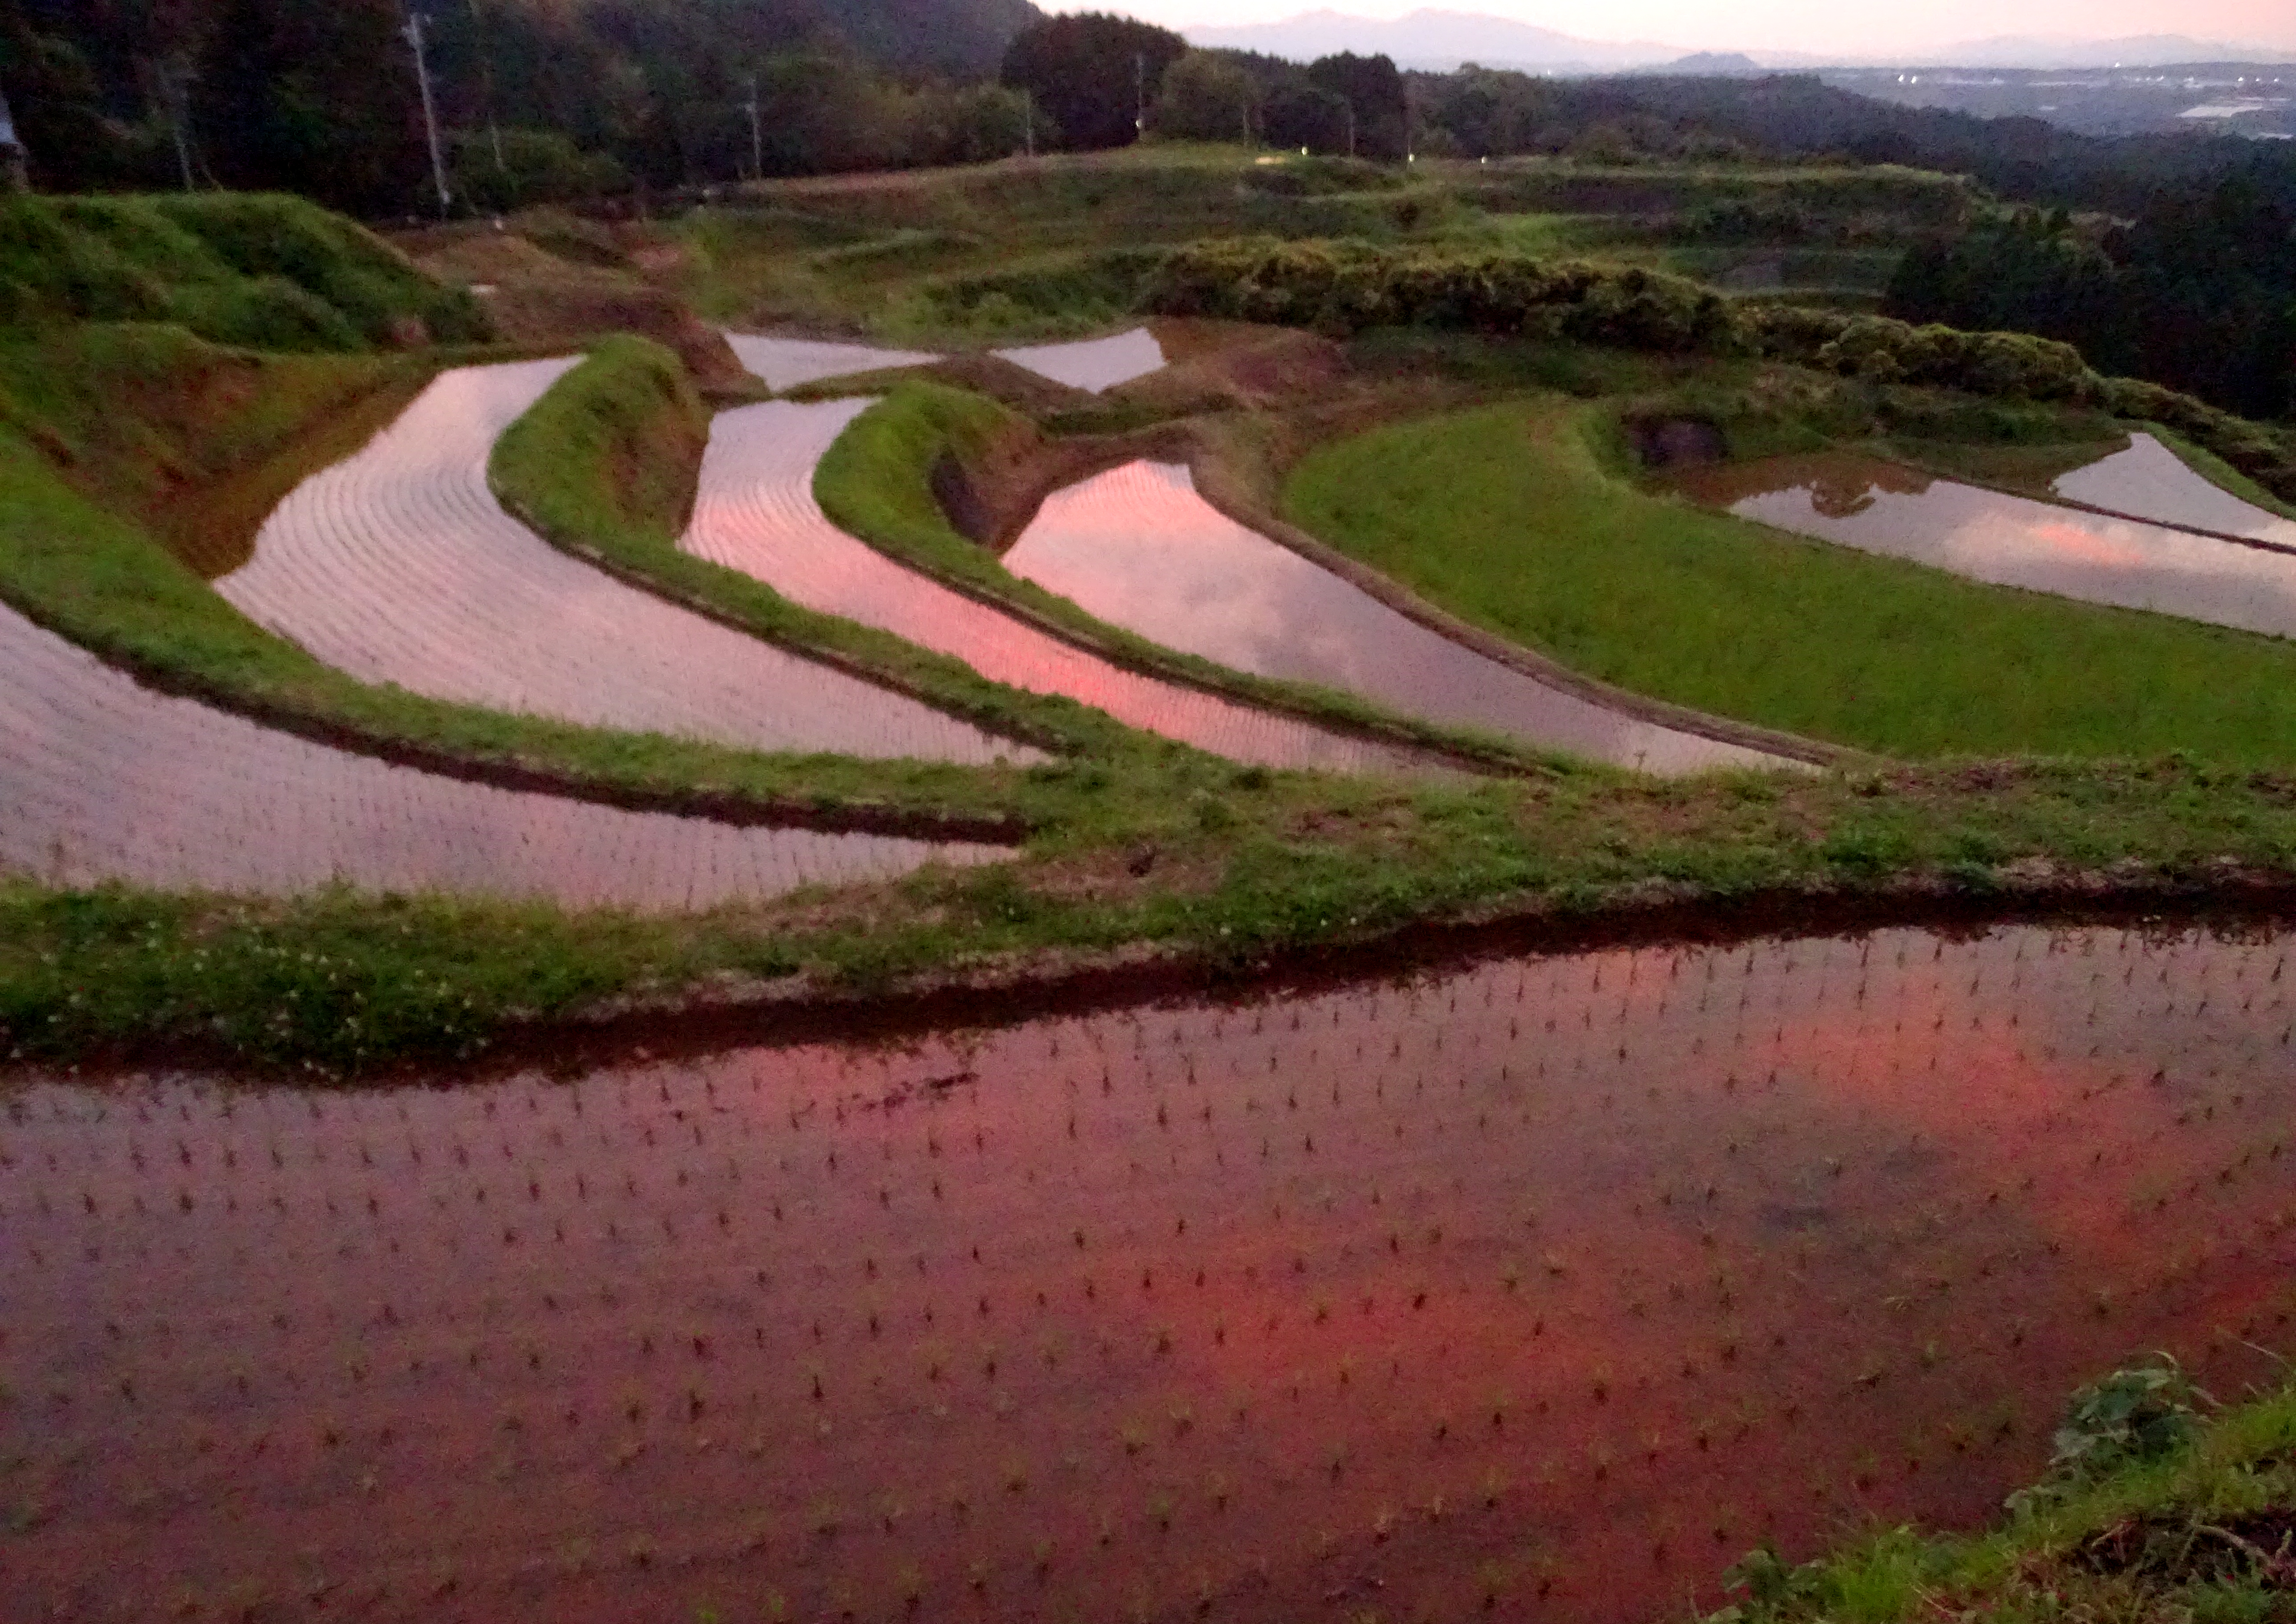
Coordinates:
[1544,1285]
[2150,481]
[1138,548]
[784,363]
[399,566]
[103,780]
[754,511]
[2011,541]
[1091,363]
[1094,363]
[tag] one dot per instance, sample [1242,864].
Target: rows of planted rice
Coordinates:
[754,511]
[101,779]
[1546,1286]
[1137,546]
[398,566]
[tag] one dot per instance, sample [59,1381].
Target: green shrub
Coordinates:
[277,273]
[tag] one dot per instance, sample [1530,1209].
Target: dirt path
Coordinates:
[101,780]
[399,566]
[755,512]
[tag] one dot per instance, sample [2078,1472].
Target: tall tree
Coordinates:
[1373,91]
[1095,75]
[315,99]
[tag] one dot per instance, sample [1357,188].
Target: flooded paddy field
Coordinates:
[1879,506]
[754,511]
[2147,480]
[1139,548]
[1094,363]
[1088,363]
[103,780]
[785,363]
[1544,1285]
[399,566]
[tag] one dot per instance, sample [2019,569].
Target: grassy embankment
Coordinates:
[2175,1521]
[875,482]
[1254,865]
[1067,243]
[1522,519]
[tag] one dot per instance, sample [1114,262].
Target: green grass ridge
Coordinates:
[1514,516]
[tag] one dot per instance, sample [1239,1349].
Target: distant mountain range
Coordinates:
[1440,41]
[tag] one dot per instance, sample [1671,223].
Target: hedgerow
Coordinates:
[1344,288]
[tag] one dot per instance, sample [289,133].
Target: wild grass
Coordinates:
[2151,1538]
[1513,516]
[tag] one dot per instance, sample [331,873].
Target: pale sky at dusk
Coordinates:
[1806,25]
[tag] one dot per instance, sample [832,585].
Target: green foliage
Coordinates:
[2141,1414]
[519,169]
[262,272]
[1342,288]
[1346,287]
[2144,1534]
[1094,73]
[1506,516]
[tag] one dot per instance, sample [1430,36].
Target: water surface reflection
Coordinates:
[1880,506]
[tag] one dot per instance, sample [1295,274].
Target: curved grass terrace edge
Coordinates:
[1727,615]
[86,568]
[603,467]
[1279,868]
[875,483]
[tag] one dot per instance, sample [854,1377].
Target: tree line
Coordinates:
[537,98]
[2198,291]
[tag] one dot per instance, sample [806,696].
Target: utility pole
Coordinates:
[757,135]
[1139,93]
[1350,108]
[1028,122]
[176,97]
[429,112]
[486,87]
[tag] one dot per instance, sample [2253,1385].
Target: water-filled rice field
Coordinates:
[1094,363]
[754,511]
[1138,548]
[1547,1284]
[397,565]
[1879,506]
[101,779]
[1090,364]
[2147,480]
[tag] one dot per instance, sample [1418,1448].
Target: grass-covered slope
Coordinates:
[263,272]
[1508,515]
[2158,1518]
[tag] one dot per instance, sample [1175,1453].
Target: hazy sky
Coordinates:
[1815,25]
